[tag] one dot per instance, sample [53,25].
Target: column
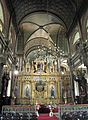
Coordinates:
[20,63]
[71,71]
[2,62]
[12,81]
[58,65]
[60,93]
[84,46]
[1,71]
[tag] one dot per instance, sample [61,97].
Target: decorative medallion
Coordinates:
[40,86]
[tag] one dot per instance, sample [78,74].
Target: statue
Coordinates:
[34,65]
[52,91]
[5,80]
[45,66]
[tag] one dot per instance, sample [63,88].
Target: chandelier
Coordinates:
[49,53]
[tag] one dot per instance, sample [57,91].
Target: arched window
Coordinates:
[1,18]
[87,28]
[10,36]
[76,38]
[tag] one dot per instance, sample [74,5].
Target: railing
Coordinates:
[18,109]
[71,108]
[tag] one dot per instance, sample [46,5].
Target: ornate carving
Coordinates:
[40,86]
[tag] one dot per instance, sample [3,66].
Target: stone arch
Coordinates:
[1,26]
[6,17]
[84,22]
[72,36]
[58,8]
[1,17]
[76,37]
[62,40]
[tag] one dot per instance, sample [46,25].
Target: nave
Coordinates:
[44,59]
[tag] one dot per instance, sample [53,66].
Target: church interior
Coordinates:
[43,59]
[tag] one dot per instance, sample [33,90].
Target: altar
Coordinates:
[40,83]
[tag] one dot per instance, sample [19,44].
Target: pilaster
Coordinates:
[2,62]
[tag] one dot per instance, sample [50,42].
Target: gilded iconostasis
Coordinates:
[42,83]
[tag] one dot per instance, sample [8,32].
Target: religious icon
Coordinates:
[27,91]
[52,91]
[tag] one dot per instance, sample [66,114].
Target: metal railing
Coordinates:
[71,108]
[18,109]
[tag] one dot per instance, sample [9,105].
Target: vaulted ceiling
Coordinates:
[40,18]
[64,9]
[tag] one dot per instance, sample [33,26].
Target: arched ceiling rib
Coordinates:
[40,21]
[30,28]
[62,8]
[42,18]
[51,16]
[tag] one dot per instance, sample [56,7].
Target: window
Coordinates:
[76,38]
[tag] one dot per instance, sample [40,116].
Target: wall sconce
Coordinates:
[16,72]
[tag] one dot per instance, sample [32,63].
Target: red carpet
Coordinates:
[46,117]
